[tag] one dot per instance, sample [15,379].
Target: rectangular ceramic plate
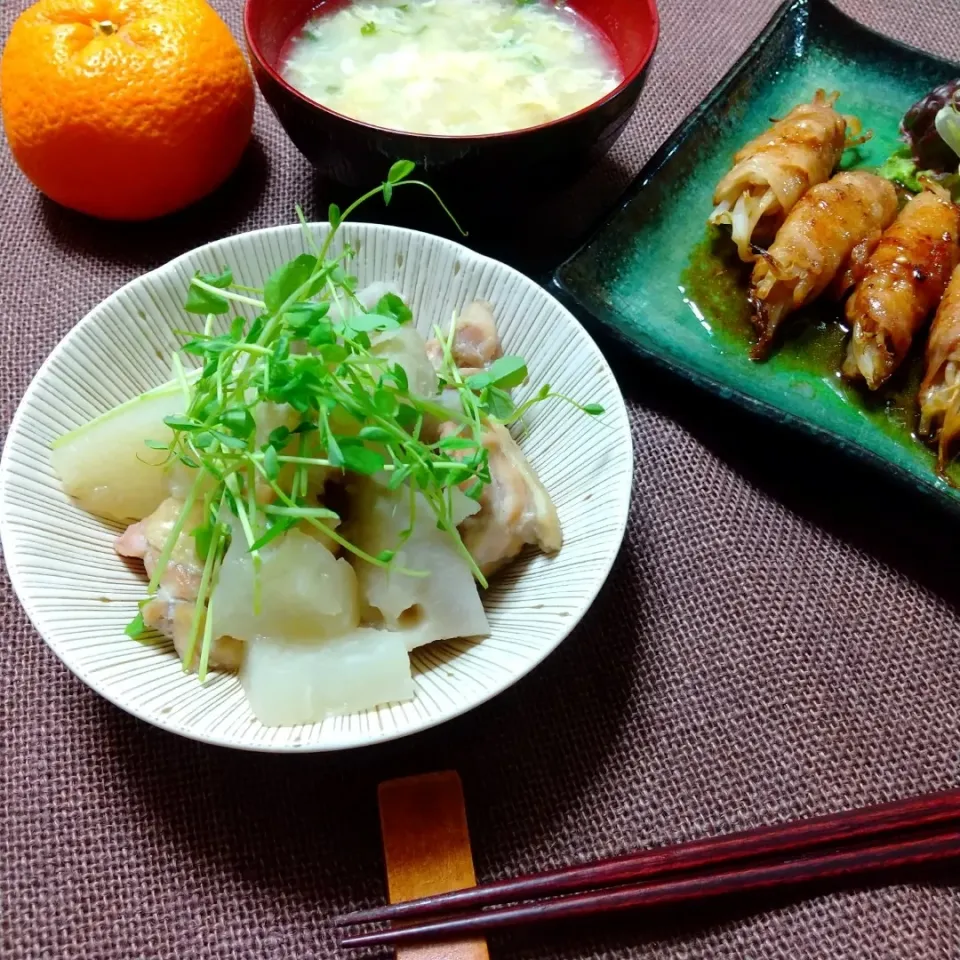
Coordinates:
[653,277]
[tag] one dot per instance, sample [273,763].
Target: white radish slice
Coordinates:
[440,606]
[306,594]
[290,683]
[106,466]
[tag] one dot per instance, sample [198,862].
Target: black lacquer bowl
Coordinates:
[471,172]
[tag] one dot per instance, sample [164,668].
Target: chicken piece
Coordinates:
[476,343]
[515,508]
[905,279]
[146,538]
[774,170]
[940,389]
[171,611]
[831,223]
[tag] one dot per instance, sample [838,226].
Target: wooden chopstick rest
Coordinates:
[426,846]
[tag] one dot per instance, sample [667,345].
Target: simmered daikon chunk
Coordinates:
[439,605]
[305,593]
[292,682]
[106,466]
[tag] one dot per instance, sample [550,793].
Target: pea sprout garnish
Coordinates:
[309,353]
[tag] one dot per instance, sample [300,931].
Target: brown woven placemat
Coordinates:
[779,638]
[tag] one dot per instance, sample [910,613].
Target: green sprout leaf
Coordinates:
[232,443]
[390,305]
[238,420]
[334,453]
[256,328]
[322,334]
[475,490]
[399,477]
[304,316]
[277,528]
[479,381]
[279,436]
[400,171]
[407,416]
[222,280]
[271,463]
[204,301]
[203,539]
[284,282]
[135,627]
[368,29]
[385,402]
[333,352]
[499,403]
[176,422]
[399,377]
[457,443]
[375,434]
[362,460]
[508,372]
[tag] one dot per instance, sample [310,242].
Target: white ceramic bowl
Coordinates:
[80,596]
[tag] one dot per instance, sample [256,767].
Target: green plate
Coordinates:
[654,276]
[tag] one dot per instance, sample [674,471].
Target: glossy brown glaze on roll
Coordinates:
[830,222]
[940,389]
[904,280]
[774,170]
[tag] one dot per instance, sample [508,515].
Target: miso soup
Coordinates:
[451,67]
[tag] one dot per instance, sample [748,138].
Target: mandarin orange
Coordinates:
[125,109]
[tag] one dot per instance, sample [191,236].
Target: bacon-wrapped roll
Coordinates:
[904,280]
[940,389]
[773,171]
[831,223]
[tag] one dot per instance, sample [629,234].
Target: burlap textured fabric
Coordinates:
[779,638]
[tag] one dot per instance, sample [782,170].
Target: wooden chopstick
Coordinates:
[935,845]
[791,838]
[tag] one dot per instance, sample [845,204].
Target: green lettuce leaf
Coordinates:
[901,168]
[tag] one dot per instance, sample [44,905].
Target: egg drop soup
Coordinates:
[451,67]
